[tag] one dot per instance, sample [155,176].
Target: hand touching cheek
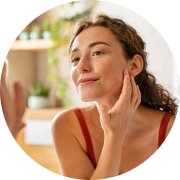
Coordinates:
[115,121]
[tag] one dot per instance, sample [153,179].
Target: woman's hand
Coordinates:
[116,120]
[13,109]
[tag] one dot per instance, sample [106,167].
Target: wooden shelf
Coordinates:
[43,155]
[39,44]
[42,113]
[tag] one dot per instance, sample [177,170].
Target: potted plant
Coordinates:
[24,35]
[35,32]
[38,96]
[46,29]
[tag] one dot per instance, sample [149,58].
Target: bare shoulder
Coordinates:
[63,131]
[68,146]
[155,119]
[63,121]
[67,118]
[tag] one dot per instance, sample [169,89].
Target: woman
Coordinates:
[132,115]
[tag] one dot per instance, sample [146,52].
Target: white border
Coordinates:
[15,15]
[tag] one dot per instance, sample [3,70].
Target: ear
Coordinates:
[135,65]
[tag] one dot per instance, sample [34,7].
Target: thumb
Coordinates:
[19,99]
[103,112]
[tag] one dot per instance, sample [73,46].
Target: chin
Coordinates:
[88,98]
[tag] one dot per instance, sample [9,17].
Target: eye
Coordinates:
[97,53]
[75,60]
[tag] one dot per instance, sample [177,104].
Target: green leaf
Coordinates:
[38,89]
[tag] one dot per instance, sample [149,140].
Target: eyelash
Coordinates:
[75,60]
[96,53]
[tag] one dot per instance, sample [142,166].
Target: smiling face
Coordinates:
[98,63]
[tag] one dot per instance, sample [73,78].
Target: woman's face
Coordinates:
[98,63]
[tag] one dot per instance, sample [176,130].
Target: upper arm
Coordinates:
[72,158]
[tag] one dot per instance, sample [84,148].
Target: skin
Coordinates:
[13,108]
[124,134]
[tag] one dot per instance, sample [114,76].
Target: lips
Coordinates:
[86,80]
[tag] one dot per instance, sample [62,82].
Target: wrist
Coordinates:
[114,137]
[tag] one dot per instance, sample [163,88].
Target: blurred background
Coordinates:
[39,60]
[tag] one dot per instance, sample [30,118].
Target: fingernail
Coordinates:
[127,71]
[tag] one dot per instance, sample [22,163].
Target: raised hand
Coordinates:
[13,109]
[116,120]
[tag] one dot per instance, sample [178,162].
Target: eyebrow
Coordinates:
[92,45]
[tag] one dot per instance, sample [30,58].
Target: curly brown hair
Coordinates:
[153,95]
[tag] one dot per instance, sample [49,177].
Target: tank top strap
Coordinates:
[86,134]
[163,127]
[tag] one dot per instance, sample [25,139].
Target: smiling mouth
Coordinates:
[86,81]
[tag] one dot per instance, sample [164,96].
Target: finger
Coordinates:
[103,112]
[134,94]
[3,85]
[125,95]
[3,75]
[126,90]
[15,130]
[138,101]
[19,99]
[6,100]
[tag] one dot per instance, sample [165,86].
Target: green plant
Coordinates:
[56,30]
[46,25]
[35,28]
[58,38]
[61,84]
[38,89]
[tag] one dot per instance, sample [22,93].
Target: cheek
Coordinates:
[73,75]
[113,76]
[113,71]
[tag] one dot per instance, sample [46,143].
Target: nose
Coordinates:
[84,65]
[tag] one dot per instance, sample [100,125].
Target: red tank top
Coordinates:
[87,137]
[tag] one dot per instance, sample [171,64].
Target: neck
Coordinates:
[140,114]
[137,123]
[108,102]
